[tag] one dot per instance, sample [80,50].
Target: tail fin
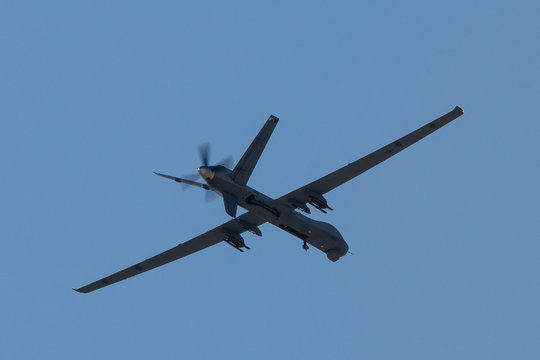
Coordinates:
[242,171]
[184,181]
[230,204]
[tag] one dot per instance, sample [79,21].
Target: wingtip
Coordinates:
[77,290]
[458,109]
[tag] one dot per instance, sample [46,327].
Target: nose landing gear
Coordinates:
[305,246]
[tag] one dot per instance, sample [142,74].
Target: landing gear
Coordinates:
[305,246]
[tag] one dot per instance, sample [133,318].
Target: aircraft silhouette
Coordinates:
[231,185]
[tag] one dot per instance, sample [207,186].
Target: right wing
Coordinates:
[242,171]
[313,192]
[242,223]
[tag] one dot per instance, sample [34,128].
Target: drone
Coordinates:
[284,212]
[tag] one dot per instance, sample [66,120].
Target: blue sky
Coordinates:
[95,96]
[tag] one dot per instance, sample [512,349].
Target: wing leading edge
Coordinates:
[329,182]
[246,222]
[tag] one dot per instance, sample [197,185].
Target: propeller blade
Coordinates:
[227,162]
[204,153]
[210,196]
[192,177]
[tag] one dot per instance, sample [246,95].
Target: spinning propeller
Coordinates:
[204,153]
[205,168]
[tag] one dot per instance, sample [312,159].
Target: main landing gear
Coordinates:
[305,246]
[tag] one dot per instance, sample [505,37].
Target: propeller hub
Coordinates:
[206,172]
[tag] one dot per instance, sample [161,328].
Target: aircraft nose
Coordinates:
[206,172]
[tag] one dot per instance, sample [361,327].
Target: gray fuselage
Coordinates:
[320,235]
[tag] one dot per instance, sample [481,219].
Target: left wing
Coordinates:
[313,192]
[246,222]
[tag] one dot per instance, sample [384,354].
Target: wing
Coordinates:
[313,192]
[242,171]
[242,223]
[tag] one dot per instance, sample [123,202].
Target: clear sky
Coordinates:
[94,96]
